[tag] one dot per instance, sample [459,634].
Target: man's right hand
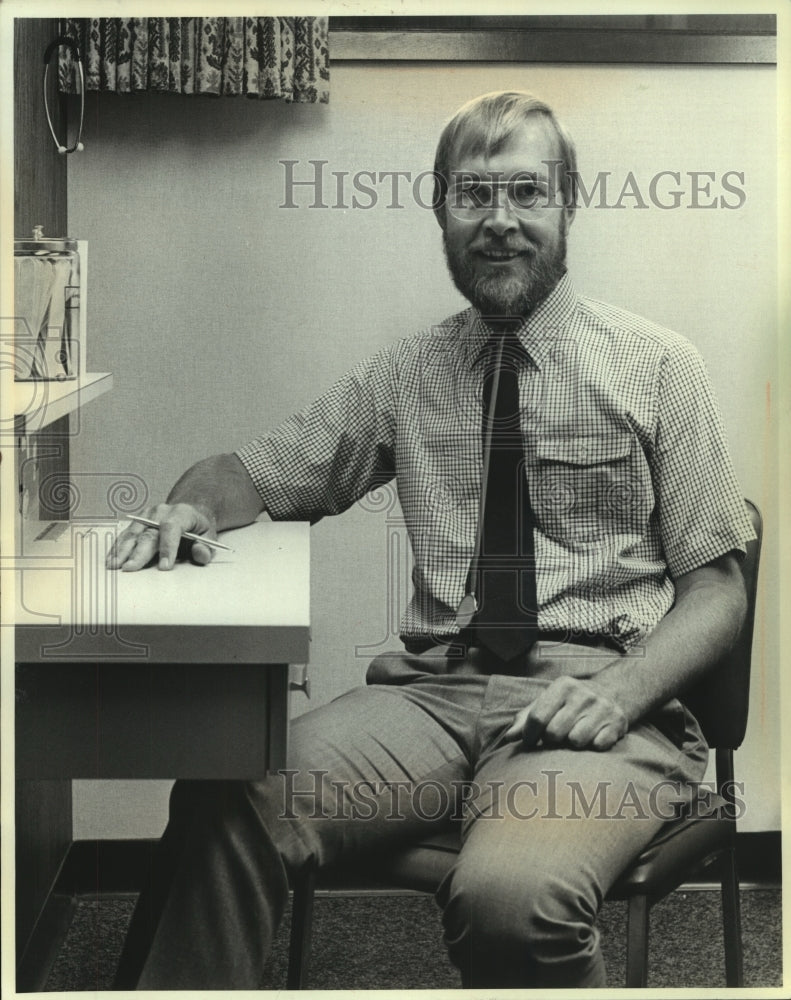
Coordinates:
[138,545]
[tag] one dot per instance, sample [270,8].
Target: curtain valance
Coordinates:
[266,57]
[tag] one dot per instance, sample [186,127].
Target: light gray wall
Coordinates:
[219,312]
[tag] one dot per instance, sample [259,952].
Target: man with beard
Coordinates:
[624,580]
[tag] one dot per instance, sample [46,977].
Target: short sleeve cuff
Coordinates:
[254,458]
[698,550]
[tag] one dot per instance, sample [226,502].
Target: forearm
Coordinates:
[221,487]
[701,627]
[598,711]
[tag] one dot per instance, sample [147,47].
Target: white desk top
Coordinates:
[260,590]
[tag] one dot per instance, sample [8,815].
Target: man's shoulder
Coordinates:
[627,328]
[435,338]
[450,327]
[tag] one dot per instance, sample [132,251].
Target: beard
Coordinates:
[507,296]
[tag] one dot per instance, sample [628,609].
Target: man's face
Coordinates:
[505,235]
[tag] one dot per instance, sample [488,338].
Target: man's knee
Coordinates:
[518,925]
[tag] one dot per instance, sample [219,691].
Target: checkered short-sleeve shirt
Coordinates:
[628,471]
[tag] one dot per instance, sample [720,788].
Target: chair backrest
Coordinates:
[720,700]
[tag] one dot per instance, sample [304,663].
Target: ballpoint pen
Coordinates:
[190,535]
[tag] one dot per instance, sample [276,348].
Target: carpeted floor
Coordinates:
[394,942]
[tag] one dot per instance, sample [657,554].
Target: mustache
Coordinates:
[506,245]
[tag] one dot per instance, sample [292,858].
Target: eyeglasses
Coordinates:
[472,197]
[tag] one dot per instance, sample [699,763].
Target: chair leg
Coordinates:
[637,942]
[304,886]
[732,920]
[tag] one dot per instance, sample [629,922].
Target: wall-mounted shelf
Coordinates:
[41,403]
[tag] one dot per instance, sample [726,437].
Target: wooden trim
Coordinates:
[554,46]
[39,172]
[724,24]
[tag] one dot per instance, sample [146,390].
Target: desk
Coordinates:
[159,674]
[181,674]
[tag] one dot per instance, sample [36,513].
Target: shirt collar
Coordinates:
[537,334]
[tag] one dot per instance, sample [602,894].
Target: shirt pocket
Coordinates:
[586,487]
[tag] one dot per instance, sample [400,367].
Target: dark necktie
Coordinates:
[502,581]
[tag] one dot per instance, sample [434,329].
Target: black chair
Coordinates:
[687,846]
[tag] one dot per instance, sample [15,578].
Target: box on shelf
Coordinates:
[49,308]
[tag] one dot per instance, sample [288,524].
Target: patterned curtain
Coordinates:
[267,57]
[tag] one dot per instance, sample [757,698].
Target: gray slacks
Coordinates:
[546,830]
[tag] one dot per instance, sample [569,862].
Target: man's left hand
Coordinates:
[572,712]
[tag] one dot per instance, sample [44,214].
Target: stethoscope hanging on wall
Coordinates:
[53,47]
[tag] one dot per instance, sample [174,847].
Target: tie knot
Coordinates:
[504,348]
